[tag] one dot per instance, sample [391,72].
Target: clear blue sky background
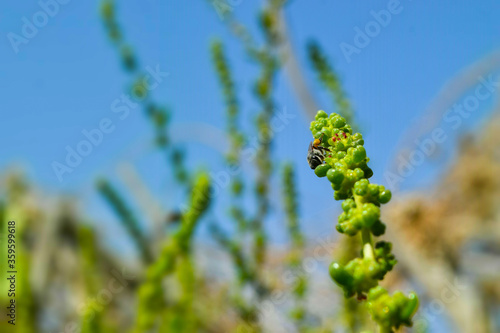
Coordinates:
[65,78]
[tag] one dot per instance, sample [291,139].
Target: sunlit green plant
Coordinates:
[345,166]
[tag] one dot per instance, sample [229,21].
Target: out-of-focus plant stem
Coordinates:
[151,293]
[127,217]
[263,88]
[297,247]
[236,137]
[330,79]
[140,91]
[92,317]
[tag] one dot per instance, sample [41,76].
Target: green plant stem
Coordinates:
[346,168]
[366,236]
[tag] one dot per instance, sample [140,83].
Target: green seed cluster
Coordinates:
[391,311]
[346,168]
[360,275]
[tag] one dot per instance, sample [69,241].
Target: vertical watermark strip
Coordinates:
[11,272]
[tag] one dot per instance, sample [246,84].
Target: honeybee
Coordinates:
[316,154]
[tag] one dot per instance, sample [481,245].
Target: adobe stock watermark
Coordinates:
[96,304]
[454,116]
[222,178]
[31,25]
[224,7]
[320,254]
[435,308]
[92,138]
[363,37]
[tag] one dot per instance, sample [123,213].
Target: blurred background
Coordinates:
[154,161]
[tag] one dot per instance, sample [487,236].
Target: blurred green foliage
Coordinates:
[171,292]
[330,79]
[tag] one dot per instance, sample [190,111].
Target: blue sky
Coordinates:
[64,80]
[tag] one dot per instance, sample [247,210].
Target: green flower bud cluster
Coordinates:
[360,275]
[391,312]
[347,170]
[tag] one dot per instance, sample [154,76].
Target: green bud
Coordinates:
[370,214]
[378,228]
[368,172]
[340,195]
[348,161]
[410,308]
[338,122]
[384,196]
[357,222]
[326,131]
[322,169]
[359,154]
[348,205]
[341,277]
[360,187]
[321,114]
[335,176]
[373,190]
[358,173]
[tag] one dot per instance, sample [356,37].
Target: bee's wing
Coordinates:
[310,149]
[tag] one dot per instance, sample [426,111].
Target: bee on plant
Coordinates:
[316,153]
